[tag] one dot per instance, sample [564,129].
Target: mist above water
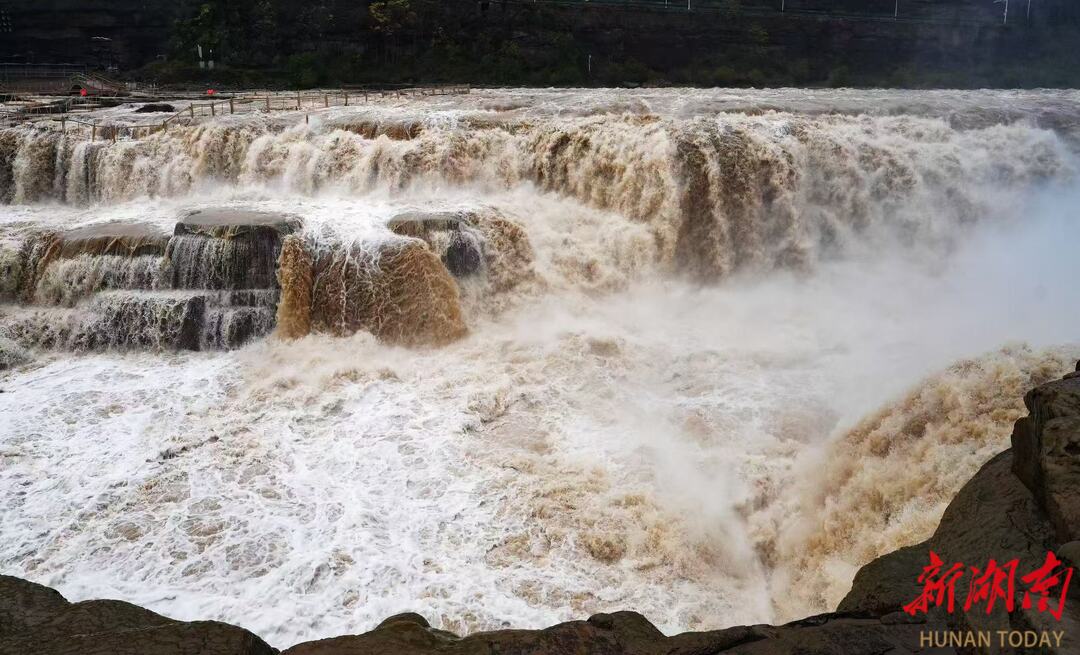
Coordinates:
[710,306]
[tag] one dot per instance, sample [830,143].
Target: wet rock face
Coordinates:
[107,247]
[161,321]
[11,270]
[234,253]
[462,256]
[451,235]
[295,270]
[1046,444]
[228,249]
[212,284]
[401,293]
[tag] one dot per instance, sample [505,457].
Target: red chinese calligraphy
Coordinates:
[993,584]
[1042,581]
[1045,587]
[938,588]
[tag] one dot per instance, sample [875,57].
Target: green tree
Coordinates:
[393,19]
[204,29]
[392,16]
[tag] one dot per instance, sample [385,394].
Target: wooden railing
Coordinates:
[238,103]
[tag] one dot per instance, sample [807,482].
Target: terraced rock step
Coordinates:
[116,238]
[216,281]
[157,320]
[87,251]
[212,284]
[228,249]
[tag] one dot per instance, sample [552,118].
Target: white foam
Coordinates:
[601,444]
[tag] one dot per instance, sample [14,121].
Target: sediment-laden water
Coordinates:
[520,356]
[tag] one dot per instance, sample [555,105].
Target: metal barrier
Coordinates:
[922,11]
[233,104]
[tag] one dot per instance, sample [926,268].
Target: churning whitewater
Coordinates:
[521,356]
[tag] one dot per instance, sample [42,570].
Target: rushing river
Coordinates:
[723,349]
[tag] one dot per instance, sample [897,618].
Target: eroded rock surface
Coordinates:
[451,235]
[1047,447]
[38,620]
[401,293]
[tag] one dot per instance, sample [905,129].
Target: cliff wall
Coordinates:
[839,42]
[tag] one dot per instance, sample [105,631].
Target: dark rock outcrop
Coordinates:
[628,633]
[156,107]
[36,619]
[228,249]
[449,234]
[1047,446]
[999,515]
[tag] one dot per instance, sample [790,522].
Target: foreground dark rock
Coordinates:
[626,633]
[1046,446]
[36,619]
[1020,505]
